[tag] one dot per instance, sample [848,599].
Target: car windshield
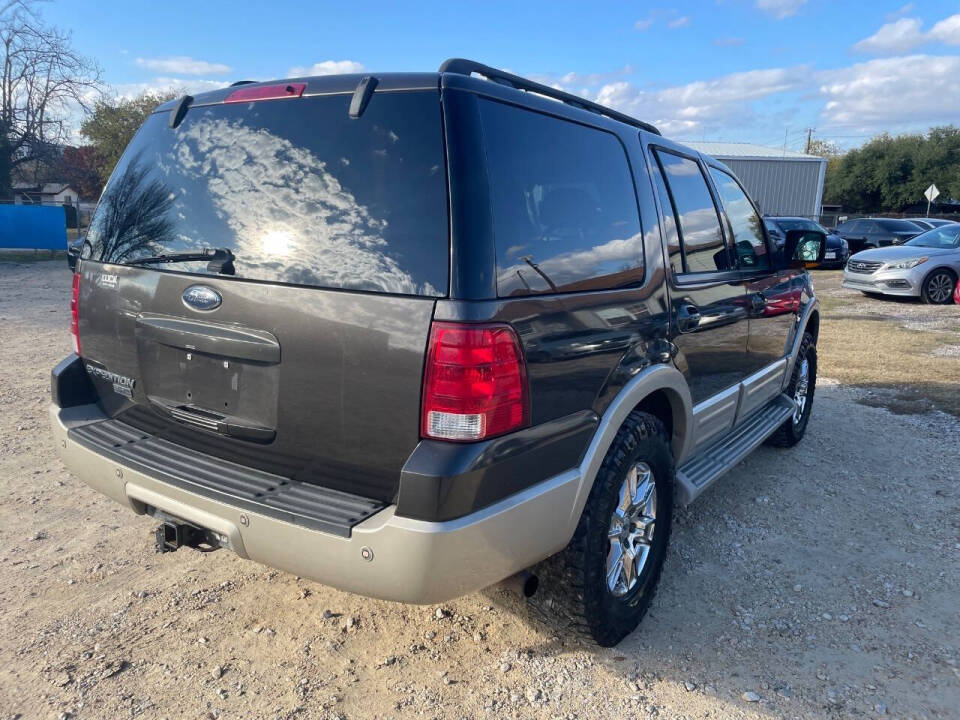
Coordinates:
[899,226]
[947,238]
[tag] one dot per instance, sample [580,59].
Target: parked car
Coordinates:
[314,348]
[930,223]
[863,233]
[837,251]
[926,267]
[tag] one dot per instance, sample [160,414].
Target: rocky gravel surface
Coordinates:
[822,581]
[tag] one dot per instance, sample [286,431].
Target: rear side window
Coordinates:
[695,215]
[565,213]
[748,237]
[897,225]
[299,192]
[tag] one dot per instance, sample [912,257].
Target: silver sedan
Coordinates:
[926,266]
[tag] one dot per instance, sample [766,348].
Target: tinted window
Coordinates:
[695,213]
[898,225]
[300,192]
[799,224]
[850,226]
[564,210]
[747,233]
[669,223]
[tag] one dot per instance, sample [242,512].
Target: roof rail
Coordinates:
[460,66]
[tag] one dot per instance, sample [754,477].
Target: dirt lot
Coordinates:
[821,581]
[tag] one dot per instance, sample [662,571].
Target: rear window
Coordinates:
[898,225]
[296,189]
[799,225]
[565,212]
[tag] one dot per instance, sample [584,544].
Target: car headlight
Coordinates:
[907,264]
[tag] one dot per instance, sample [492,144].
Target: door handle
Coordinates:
[688,317]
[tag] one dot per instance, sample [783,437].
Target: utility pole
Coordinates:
[809,139]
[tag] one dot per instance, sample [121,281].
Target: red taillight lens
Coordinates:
[475,383]
[75,313]
[267,92]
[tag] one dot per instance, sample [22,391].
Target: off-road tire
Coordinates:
[924,289]
[574,597]
[792,432]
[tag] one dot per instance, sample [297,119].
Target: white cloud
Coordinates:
[680,22]
[728,41]
[687,108]
[946,31]
[643,24]
[907,33]
[183,65]
[326,67]
[897,36]
[887,92]
[167,84]
[902,11]
[779,9]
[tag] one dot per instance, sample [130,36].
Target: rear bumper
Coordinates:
[415,561]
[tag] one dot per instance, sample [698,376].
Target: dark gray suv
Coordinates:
[411,334]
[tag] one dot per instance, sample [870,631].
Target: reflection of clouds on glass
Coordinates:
[290,215]
[700,228]
[605,259]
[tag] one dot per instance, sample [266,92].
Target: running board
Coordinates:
[700,471]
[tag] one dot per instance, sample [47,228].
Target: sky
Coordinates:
[762,71]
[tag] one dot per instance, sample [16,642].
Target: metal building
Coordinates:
[782,182]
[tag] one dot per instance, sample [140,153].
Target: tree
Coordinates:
[112,125]
[823,148]
[889,174]
[43,81]
[78,166]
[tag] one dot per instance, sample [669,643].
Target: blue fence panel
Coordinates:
[40,227]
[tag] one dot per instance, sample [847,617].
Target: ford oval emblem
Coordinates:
[201,297]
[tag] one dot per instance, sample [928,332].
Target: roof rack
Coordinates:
[460,66]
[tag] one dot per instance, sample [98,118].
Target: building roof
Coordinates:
[748,151]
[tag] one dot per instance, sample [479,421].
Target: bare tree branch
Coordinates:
[43,82]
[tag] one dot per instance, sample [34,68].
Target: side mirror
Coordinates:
[73,253]
[803,249]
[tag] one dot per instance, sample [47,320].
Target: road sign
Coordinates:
[931,194]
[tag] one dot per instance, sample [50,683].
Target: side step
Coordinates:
[700,471]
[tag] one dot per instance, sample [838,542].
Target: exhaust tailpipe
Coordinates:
[524,583]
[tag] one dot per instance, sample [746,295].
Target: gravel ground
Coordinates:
[908,313]
[820,581]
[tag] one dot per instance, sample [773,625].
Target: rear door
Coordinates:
[304,355]
[708,311]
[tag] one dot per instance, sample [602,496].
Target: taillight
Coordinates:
[75,313]
[475,383]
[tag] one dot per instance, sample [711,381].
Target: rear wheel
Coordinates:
[938,287]
[803,384]
[609,572]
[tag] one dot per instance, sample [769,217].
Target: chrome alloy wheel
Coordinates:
[940,287]
[800,394]
[632,525]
